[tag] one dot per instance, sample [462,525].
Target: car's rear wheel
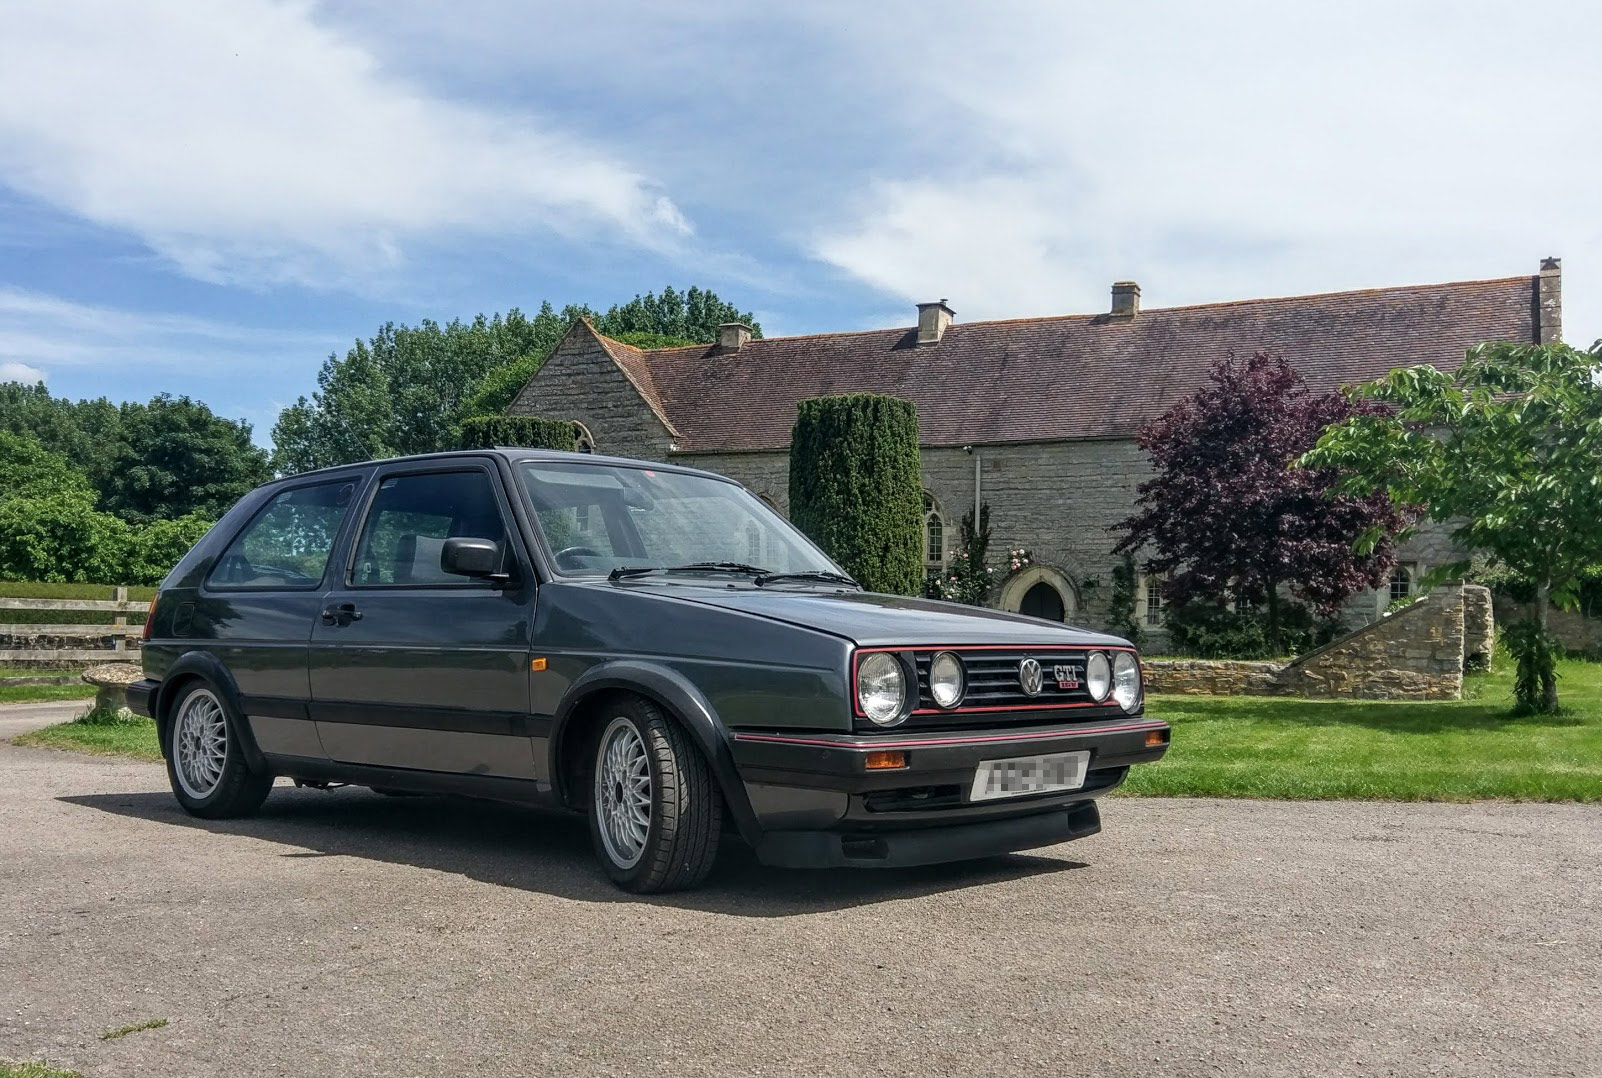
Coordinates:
[655,811]
[205,764]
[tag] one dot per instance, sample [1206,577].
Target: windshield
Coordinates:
[598,518]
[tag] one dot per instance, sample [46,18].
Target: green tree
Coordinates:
[61,538]
[85,432]
[408,389]
[1507,451]
[155,548]
[855,487]
[27,468]
[178,458]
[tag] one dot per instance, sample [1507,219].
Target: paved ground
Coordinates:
[20,718]
[351,934]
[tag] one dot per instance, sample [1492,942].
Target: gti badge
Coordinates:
[1030,676]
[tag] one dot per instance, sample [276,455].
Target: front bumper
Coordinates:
[818,804]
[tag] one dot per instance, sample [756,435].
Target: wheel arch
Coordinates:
[676,696]
[203,666]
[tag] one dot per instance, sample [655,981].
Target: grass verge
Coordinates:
[1473,749]
[25,694]
[99,733]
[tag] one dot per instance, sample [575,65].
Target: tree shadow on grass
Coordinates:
[1388,716]
[536,850]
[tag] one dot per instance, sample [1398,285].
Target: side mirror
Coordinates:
[471,557]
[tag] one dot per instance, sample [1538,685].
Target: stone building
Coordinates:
[1034,416]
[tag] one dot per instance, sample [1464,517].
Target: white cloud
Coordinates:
[1214,152]
[41,329]
[247,141]
[11,371]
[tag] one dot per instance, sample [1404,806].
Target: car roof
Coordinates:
[515,454]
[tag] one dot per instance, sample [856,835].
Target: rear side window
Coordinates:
[413,515]
[288,542]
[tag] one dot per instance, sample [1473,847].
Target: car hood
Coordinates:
[873,620]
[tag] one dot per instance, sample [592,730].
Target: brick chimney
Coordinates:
[733,336]
[1125,299]
[933,321]
[1549,302]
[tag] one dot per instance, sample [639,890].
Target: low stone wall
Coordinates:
[1479,627]
[1415,653]
[1210,677]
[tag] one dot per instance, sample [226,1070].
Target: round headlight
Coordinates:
[881,688]
[945,679]
[1098,676]
[1126,680]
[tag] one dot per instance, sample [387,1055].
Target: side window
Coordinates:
[410,519]
[287,544]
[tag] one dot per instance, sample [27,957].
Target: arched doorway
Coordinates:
[1040,591]
[1042,601]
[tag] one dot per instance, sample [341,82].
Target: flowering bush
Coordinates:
[1019,558]
[963,581]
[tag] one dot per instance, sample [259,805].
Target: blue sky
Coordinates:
[209,198]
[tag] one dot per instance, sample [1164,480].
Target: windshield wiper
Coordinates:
[624,571]
[811,574]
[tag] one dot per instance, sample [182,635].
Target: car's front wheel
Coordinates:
[205,765]
[655,811]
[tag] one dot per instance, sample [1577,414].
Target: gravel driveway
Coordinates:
[346,933]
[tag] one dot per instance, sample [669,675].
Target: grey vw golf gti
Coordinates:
[648,645]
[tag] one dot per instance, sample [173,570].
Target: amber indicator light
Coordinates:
[1155,738]
[536,665]
[885,761]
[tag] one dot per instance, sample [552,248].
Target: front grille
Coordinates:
[993,678]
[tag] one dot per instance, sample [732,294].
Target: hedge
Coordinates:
[856,487]
[524,431]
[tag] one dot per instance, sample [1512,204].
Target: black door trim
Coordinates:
[459,720]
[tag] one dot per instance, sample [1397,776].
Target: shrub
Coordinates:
[527,431]
[967,579]
[855,487]
[1121,619]
[1209,630]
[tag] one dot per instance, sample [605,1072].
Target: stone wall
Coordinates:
[1415,653]
[1479,627]
[580,381]
[1211,677]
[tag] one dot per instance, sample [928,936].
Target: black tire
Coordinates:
[686,809]
[236,790]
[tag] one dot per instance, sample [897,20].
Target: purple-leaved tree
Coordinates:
[1227,515]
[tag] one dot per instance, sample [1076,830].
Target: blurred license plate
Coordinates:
[1029,775]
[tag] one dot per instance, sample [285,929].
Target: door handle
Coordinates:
[341,614]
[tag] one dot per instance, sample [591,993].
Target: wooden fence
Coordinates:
[124,637]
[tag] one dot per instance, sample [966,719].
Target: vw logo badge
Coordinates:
[1029,677]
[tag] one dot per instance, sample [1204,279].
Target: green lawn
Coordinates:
[1234,746]
[100,735]
[18,694]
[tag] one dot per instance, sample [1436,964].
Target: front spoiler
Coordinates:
[928,846]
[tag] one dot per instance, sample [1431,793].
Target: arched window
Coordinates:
[585,440]
[1401,583]
[934,537]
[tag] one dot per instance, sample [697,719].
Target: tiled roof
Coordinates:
[1069,377]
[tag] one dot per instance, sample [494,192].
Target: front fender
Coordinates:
[205,665]
[679,696]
